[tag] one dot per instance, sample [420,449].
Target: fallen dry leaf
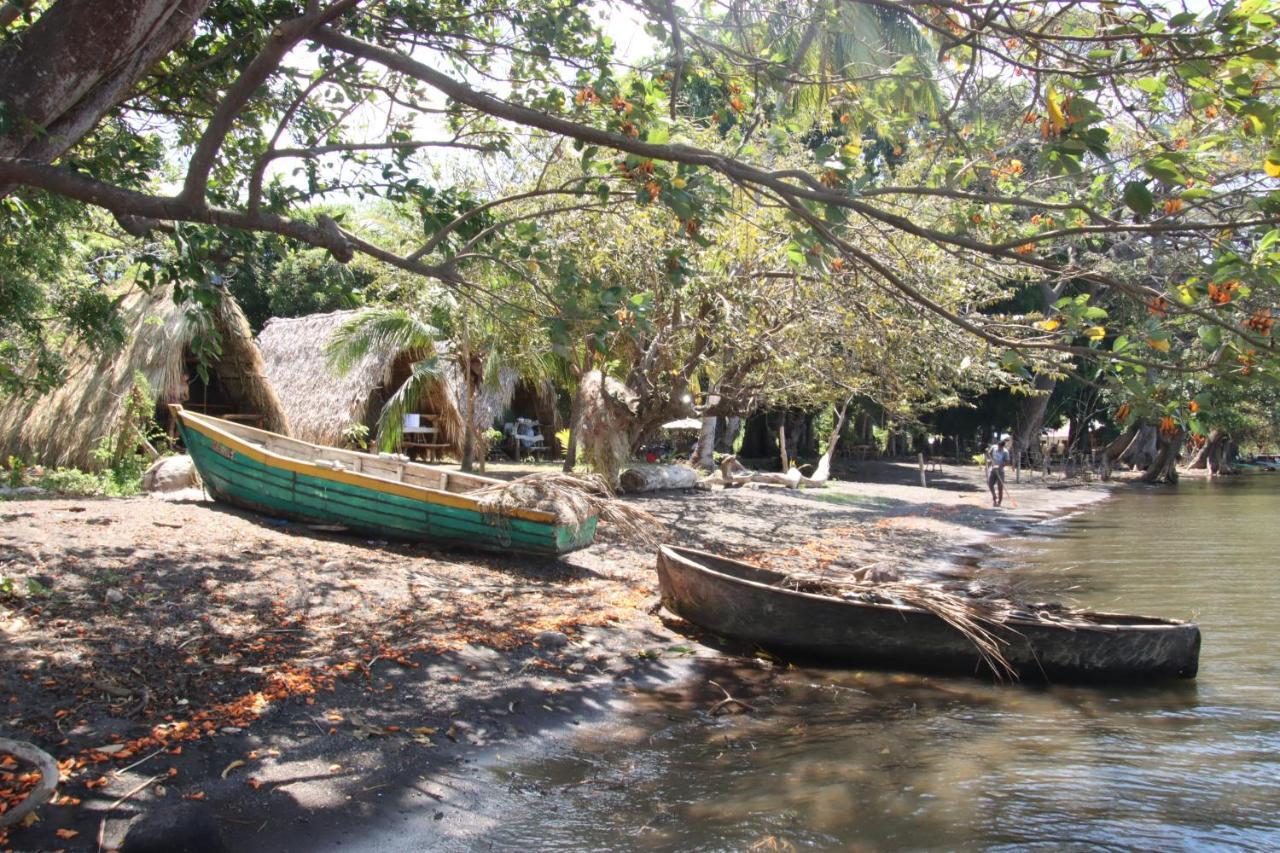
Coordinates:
[66,833]
[232,766]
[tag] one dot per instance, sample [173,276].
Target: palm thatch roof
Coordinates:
[322,405]
[63,426]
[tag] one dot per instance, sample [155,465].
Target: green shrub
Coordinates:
[356,436]
[15,472]
[76,483]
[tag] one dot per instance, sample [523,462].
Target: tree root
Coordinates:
[41,793]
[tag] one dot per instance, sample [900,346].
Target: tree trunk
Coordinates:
[1144,448]
[704,452]
[77,62]
[1031,411]
[1164,467]
[571,446]
[823,472]
[726,437]
[1220,459]
[782,445]
[653,478]
[1112,451]
[1214,454]
[468,430]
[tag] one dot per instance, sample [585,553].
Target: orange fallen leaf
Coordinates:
[66,833]
[253,783]
[335,768]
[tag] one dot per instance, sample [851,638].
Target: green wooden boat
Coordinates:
[376,494]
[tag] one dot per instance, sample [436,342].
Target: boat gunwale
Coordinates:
[678,552]
[201,423]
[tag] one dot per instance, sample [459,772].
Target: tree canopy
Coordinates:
[893,167]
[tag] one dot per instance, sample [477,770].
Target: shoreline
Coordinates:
[358,729]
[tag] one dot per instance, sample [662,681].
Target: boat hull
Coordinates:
[736,600]
[248,478]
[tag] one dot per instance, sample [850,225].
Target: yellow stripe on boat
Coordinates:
[201,424]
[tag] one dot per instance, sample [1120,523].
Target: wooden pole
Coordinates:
[920,457]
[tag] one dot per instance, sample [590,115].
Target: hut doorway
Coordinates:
[423,433]
[530,430]
[211,395]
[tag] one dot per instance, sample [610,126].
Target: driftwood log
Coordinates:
[41,793]
[733,474]
[654,478]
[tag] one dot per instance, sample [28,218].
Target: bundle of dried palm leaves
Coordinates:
[572,499]
[979,614]
[976,618]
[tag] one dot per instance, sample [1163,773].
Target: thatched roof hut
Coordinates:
[63,426]
[323,405]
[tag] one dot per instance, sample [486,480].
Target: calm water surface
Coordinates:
[869,760]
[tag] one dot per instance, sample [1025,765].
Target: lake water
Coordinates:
[867,760]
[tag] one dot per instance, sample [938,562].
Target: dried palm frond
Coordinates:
[573,499]
[973,617]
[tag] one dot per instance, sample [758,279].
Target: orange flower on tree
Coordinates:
[1025,249]
[1173,206]
[1221,294]
[1158,307]
[1122,413]
[1168,426]
[1193,406]
[1260,321]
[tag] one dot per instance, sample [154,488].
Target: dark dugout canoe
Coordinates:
[737,600]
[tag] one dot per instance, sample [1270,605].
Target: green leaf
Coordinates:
[1138,197]
[1164,169]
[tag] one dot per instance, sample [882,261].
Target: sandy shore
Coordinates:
[281,686]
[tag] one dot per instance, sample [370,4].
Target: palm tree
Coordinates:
[840,43]
[390,330]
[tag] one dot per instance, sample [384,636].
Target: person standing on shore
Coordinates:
[998,457]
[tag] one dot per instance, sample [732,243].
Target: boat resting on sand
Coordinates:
[735,599]
[381,495]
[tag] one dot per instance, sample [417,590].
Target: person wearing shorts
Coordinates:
[999,457]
